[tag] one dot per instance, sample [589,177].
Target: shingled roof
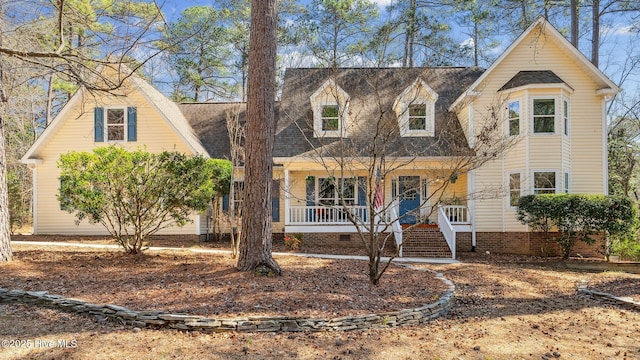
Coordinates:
[372,93]
[523,78]
[209,122]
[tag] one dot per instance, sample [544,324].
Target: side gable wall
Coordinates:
[76,132]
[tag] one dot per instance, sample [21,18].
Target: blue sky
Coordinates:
[617,41]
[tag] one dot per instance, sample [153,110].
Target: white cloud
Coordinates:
[618,29]
[468,43]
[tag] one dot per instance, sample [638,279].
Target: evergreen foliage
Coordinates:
[577,217]
[135,194]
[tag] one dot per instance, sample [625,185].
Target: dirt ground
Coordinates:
[506,307]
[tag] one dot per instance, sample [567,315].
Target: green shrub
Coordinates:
[577,217]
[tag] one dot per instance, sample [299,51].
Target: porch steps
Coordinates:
[424,242]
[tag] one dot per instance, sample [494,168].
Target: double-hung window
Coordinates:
[115,124]
[544,114]
[330,118]
[565,116]
[514,118]
[514,189]
[417,117]
[544,182]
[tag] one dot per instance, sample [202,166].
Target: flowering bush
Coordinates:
[292,242]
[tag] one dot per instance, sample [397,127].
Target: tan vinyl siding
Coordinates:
[581,153]
[76,133]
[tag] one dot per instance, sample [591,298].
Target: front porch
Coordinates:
[436,239]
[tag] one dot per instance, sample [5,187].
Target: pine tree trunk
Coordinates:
[574,22]
[5,234]
[595,31]
[5,225]
[255,242]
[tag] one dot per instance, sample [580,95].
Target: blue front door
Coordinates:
[409,196]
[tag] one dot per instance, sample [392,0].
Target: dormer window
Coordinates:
[330,105]
[415,108]
[417,117]
[330,118]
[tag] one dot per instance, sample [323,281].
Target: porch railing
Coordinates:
[447,229]
[456,214]
[318,214]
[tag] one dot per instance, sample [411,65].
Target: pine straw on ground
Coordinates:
[209,284]
[505,308]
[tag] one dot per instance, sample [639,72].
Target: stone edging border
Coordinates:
[159,319]
[605,297]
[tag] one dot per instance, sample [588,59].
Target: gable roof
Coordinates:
[209,122]
[524,78]
[552,34]
[167,109]
[372,93]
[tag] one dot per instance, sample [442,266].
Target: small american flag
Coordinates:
[378,201]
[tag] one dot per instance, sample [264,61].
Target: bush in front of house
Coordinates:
[134,194]
[577,217]
[292,242]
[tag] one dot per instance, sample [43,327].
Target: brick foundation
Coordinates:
[82,238]
[525,243]
[345,240]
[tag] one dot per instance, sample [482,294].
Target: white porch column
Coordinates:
[287,196]
[471,190]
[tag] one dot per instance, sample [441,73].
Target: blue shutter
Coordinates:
[275,201]
[225,203]
[98,124]
[275,209]
[311,190]
[362,190]
[132,119]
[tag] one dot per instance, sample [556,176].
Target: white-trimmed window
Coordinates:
[417,117]
[330,105]
[544,116]
[513,117]
[332,190]
[565,116]
[115,124]
[330,118]
[566,183]
[515,189]
[544,182]
[415,108]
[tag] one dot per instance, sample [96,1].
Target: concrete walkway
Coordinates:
[218,251]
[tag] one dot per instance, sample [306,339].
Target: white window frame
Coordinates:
[125,123]
[335,200]
[566,116]
[520,183]
[509,118]
[555,115]
[424,117]
[533,180]
[418,93]
[566,182]
[323,117]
